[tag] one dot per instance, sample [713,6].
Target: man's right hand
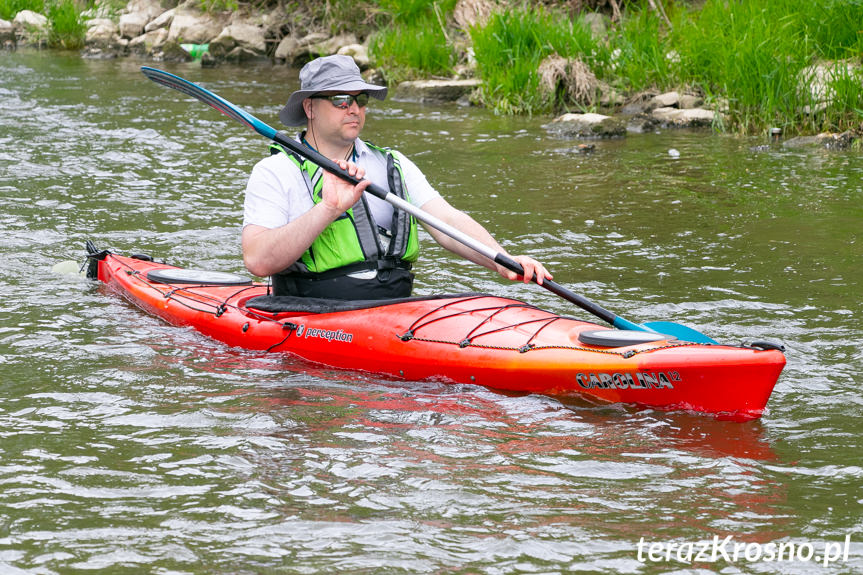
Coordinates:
[338,195]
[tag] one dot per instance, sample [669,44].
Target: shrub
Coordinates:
[510,47]
[414,43]
[68,29]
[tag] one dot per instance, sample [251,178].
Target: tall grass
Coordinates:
[643,56]
[510,47]
[9,8]
[835,26]
[416,50]
[415,42]
[67,26]
[754,51]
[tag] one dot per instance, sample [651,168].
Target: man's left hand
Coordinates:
[531,267]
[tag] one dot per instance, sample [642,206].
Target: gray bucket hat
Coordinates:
[327,74]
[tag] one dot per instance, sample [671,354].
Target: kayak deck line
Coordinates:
[471,338]
[188,295]
[472,335]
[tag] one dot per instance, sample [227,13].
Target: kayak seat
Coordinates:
[287,303]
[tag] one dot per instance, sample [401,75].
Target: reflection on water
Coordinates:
[131,445]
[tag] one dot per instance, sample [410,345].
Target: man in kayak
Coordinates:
[317,235]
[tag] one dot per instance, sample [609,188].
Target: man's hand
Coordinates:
[531,267]
[338,195]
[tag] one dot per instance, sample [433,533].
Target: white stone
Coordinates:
[667,100]
[194,27]
[286,48]
[163,20]
[686,118]
[815,80]
[132,25]
[151,8]
[587,119]
[103,32]
[29,19]
[149,41]
[7,32]
[245,35]
[358,52]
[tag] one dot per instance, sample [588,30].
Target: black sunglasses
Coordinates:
[344,101]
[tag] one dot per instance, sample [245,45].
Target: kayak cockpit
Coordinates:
[295,304]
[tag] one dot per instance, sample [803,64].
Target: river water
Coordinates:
[130,446]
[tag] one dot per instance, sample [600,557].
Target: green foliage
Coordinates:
[8,8]
[218,5]
[415,43]
[749,52]
[67,27]
[844,108]
[415,12]
[642,56]
[835,26]
[416,50]
[754,51]
[510,47]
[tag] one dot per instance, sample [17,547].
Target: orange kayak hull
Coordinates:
[486,340]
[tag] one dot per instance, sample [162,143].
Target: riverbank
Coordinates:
[752,67]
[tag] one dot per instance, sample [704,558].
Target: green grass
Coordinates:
[641,53]
[67,28]
[748,52]
[410,51]
[753,51]
[8,8]
[415,42]
[510,47]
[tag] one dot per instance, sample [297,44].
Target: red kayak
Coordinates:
[496,342]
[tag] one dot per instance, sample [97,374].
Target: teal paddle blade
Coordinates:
[679,331]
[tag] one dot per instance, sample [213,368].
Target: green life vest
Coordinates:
[353,242]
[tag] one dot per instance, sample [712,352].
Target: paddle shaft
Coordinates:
[232,111]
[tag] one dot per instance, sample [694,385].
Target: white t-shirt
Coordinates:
[276,193]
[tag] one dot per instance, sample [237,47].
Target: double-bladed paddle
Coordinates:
[177,83]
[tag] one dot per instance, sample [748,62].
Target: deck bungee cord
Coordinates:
[191,296]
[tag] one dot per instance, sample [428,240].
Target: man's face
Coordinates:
[338,115]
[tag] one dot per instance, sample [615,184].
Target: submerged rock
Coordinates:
[831,141]
[435,90]
[587,126]
[689,118]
